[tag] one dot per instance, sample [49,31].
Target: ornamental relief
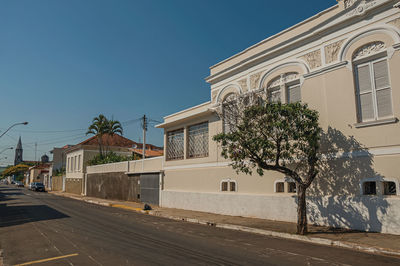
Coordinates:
[313,59]
[254,80]
[395,22]
[283,79]
[214,95]
[349,3]
[360,8]
[369,49]
[243,84]
[332,51]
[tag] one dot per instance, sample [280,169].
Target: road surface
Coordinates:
[45,229]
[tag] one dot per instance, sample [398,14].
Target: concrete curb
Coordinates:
[313,240]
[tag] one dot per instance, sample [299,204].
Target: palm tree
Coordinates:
[113,127]
[99,127]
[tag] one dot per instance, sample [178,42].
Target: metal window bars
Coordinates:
[198,140]
[175,145]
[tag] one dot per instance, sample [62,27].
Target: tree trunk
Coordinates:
[301,210]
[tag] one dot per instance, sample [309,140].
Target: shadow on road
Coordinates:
[15,215]
[20,212]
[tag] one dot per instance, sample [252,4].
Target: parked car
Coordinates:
[31,186]
[38,187]
[19,184]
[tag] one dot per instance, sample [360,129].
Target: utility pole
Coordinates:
[144,124]
[35,152]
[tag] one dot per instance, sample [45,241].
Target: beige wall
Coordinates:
[327,85]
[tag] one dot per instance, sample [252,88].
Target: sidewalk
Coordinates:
[368,242]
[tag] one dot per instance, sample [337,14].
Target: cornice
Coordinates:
[342,17]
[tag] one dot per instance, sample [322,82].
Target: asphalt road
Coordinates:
[37,226]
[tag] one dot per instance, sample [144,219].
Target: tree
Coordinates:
[15,170]
[101,126]
[277,137]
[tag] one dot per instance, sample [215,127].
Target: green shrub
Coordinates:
[112,157]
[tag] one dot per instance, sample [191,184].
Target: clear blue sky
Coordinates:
[64,62]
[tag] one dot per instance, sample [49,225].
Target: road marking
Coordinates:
[49,259]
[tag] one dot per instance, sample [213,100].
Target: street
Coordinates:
[45,229]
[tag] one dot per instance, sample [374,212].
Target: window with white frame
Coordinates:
[374,93]
[280,187]
[389,188]
[292,188]
[175,144]
[369,188]
[285,88]
[229,113]
[79,162]
[68,164]
[198,140]
[228,185]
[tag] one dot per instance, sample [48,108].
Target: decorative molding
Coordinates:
[332,51]
[214,96]
[313,59]
[360,9]
[283,79]
[326,69]
[395,22]
[348,3]
[243,84]
[369,49]
[254,79]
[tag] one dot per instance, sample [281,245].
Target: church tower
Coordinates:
[18,153]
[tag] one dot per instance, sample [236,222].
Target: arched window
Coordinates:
[229,112]
[285,88]
[373,90]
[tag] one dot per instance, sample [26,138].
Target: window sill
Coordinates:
[376,123]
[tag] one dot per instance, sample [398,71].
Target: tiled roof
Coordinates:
[149,153]
[110,140]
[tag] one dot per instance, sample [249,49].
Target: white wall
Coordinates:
[378,214]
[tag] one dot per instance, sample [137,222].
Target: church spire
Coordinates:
[18,153]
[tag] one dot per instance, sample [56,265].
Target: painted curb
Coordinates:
[313,240]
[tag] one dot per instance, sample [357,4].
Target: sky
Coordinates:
[62,63]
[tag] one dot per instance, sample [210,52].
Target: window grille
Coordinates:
[198,140]
[389,188]
[373,91]
[369,188]
[175,145]
[224,186]
[229,112]
[232,186]
[280,187]
[292,187]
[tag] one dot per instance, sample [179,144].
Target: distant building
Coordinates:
[18,153]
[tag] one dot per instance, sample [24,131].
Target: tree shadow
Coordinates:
[16,215]
[335,198]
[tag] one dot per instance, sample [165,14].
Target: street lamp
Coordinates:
[23,123]
[6,149]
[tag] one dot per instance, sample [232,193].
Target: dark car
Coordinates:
[19,184]
[38,187]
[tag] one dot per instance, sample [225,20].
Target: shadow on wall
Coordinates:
[335,197]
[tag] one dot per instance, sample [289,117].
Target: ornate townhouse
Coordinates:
[343,62]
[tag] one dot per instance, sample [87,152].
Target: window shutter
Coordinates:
[294,94]
[366,106]
[381,75]
[384,102]
[364,79]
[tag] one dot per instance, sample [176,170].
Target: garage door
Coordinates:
[150,188]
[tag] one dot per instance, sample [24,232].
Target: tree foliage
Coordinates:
[275,137]
[101,126]
[112,157]
[15,170]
